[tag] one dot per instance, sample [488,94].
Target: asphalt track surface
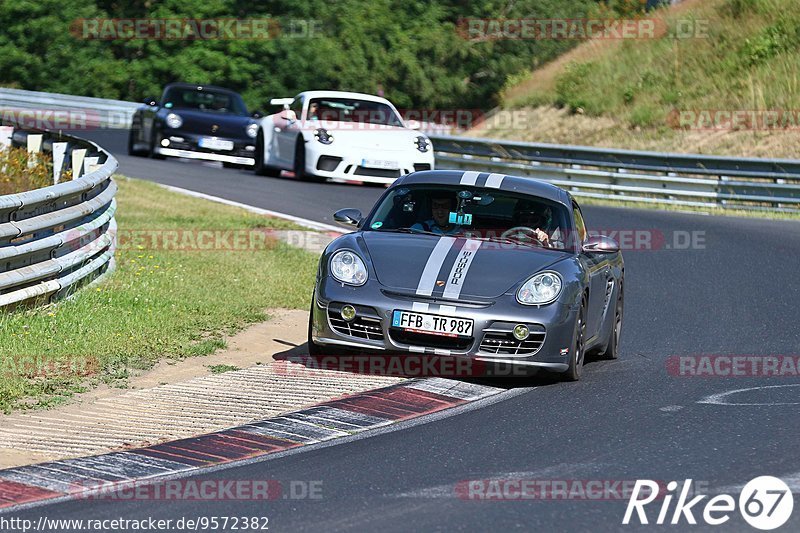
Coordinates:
[736,294]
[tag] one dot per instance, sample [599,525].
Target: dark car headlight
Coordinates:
[252,130]
[422,143]
[347,267]
[322,135]
[174,120]
[540,289]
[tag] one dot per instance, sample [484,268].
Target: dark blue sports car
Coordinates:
[195,122]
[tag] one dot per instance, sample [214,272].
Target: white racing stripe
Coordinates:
[458,274]
[419,307]
[495,180]
[470,177]
[434,264]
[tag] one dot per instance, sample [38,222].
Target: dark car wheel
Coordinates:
[153,154]
[612,351]
[260,168]
[577,350]
[314,349]
[300,164]
[132,134]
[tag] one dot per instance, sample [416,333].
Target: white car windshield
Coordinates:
[352,110]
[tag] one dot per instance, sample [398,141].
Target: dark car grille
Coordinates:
[360,327]
[506,344]
[378,172]
[328,163]
[431,341]
[418,167]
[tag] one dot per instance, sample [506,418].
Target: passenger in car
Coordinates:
[441,206]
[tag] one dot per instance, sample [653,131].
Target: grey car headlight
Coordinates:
[541,289]
[348,268]
[252,130]
[174,120]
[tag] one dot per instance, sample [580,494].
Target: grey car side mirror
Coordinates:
[348,217]
[600,244]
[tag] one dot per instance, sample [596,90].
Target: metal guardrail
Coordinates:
[55,239]
[96,112]
[627,175]
[652,177]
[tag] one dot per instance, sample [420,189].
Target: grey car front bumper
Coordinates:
[371,330]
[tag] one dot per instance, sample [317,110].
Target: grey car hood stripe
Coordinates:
[458,274]
[469,177]
[428,279]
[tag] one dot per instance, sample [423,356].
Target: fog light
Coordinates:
[164,142]
[348,312]
[521,332]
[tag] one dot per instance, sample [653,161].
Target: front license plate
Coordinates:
[380,163]
[432,324]
[212,143]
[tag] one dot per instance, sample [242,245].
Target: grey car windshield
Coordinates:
[473,212]
[204,100]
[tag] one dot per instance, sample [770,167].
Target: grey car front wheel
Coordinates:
[577,351]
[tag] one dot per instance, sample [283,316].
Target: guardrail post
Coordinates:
[59,151]
[90,164]
[77,162]
[5,137]
[34,147]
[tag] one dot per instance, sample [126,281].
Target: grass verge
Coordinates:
[163,301]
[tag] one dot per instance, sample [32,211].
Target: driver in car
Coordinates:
[539,221]
[441,205]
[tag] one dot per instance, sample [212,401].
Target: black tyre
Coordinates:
[577,350]
[152,153]
[300,163]
[612,349]
[314,350]
[260,168]
[132,145]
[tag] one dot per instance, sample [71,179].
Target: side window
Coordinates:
[580,225]
[297,107]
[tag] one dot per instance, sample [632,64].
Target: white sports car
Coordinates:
[342,136]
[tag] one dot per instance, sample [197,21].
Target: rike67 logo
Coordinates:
[765,503]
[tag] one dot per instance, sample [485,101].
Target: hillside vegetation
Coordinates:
[412,49]
[629,93]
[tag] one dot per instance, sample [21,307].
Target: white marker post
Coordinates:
[77,162]
[6,132]
[59,152]
[34,147]
[90,164]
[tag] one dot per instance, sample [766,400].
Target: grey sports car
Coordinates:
[496,268]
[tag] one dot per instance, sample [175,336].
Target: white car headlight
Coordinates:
[541,289]
[348,268]
[174,120]
[422,144]
[252,130]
